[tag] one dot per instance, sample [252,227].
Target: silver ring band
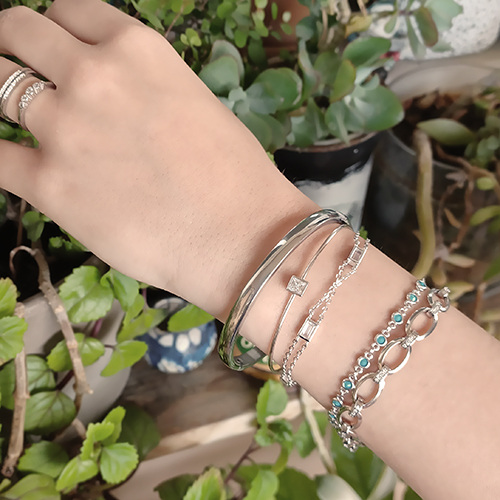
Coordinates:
[27,99]
[9,86]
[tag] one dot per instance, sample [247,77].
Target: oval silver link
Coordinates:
[361,381]
[387,350]
[350,426]
[434,296]
[409,325]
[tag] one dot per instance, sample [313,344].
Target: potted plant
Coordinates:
[317,103]
[446,187]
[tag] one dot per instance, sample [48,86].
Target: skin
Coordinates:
[142,164]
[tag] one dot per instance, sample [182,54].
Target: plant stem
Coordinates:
[324,455]
[251,448]
[425,217]
[21,395]
[80,386]
[22,211]
[478,302]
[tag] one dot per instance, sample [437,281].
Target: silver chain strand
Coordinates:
[439,302]
[309,327]
[379,340]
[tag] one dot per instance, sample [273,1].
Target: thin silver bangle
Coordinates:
[264,273]
[297,287]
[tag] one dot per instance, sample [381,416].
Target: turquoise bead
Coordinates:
[412,297]
[347,384]
[398,318]
[422,283]
[381,340]
[363,362]
[336,403]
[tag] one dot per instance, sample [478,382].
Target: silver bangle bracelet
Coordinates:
[264,273]
[297,287]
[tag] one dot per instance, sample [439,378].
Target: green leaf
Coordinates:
[176,487]
[485,183]
[90,349]
[308,128]
[147,9]
[11,337]
[224,48]
[426,26]
[361,470]
[221,75]
[7,385]
[44,457]
[259,128]
[125,354]
[34,222]
[117,462]
[188,317]
[443,12]
[283,84]
[209,486]
[446,131]
[96,433]
[303,439]
[333,487]
[411,495]
[32,487]
[272,400]
[344,81]
[135,309]
[296,485]
[263,487]
[115,417]
[417,47]
[143,323]
[390,25]
[125,289]
[76,471]
[8,297]
[83,295]
[335,116]
[366,51]
[48,412]
[140,430]
[493,270]
[325,68]
[484,214]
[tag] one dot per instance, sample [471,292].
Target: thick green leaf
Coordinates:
[366,51]
[308,128]
[117,462]
[263,487]
[76,471]
[125,289]
[446,131]
[283,84]
[12,330]
[209,486]
[34,222]
[90,349]
[33,487]
[335,117]
[141,324]
[426,26]
[7,385]
[139,429]
[83,295]
[411,495]
[334,487]
[303,439]
[48,412]
[125,354]
[224,48]
[135,310]
[258,99]
[485,183]
[221,75]
[176,487]
[344,81]
[361,470]
[443,12]
[484,214]
[96,433]
[326,67]
[188,317]
[8,297]
[114,417]
[417,47]
[272,400]
[493,270]
[390,25]
[295,485]
[44,457]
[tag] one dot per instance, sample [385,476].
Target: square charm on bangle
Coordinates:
[297,286]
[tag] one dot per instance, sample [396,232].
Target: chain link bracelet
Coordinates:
[310,326]
[348,418]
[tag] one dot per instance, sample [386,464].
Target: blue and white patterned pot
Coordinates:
[178,352]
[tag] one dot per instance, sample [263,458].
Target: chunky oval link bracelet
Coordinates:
[347,418]
[268,268]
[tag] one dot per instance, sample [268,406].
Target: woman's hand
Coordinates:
[137,158]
